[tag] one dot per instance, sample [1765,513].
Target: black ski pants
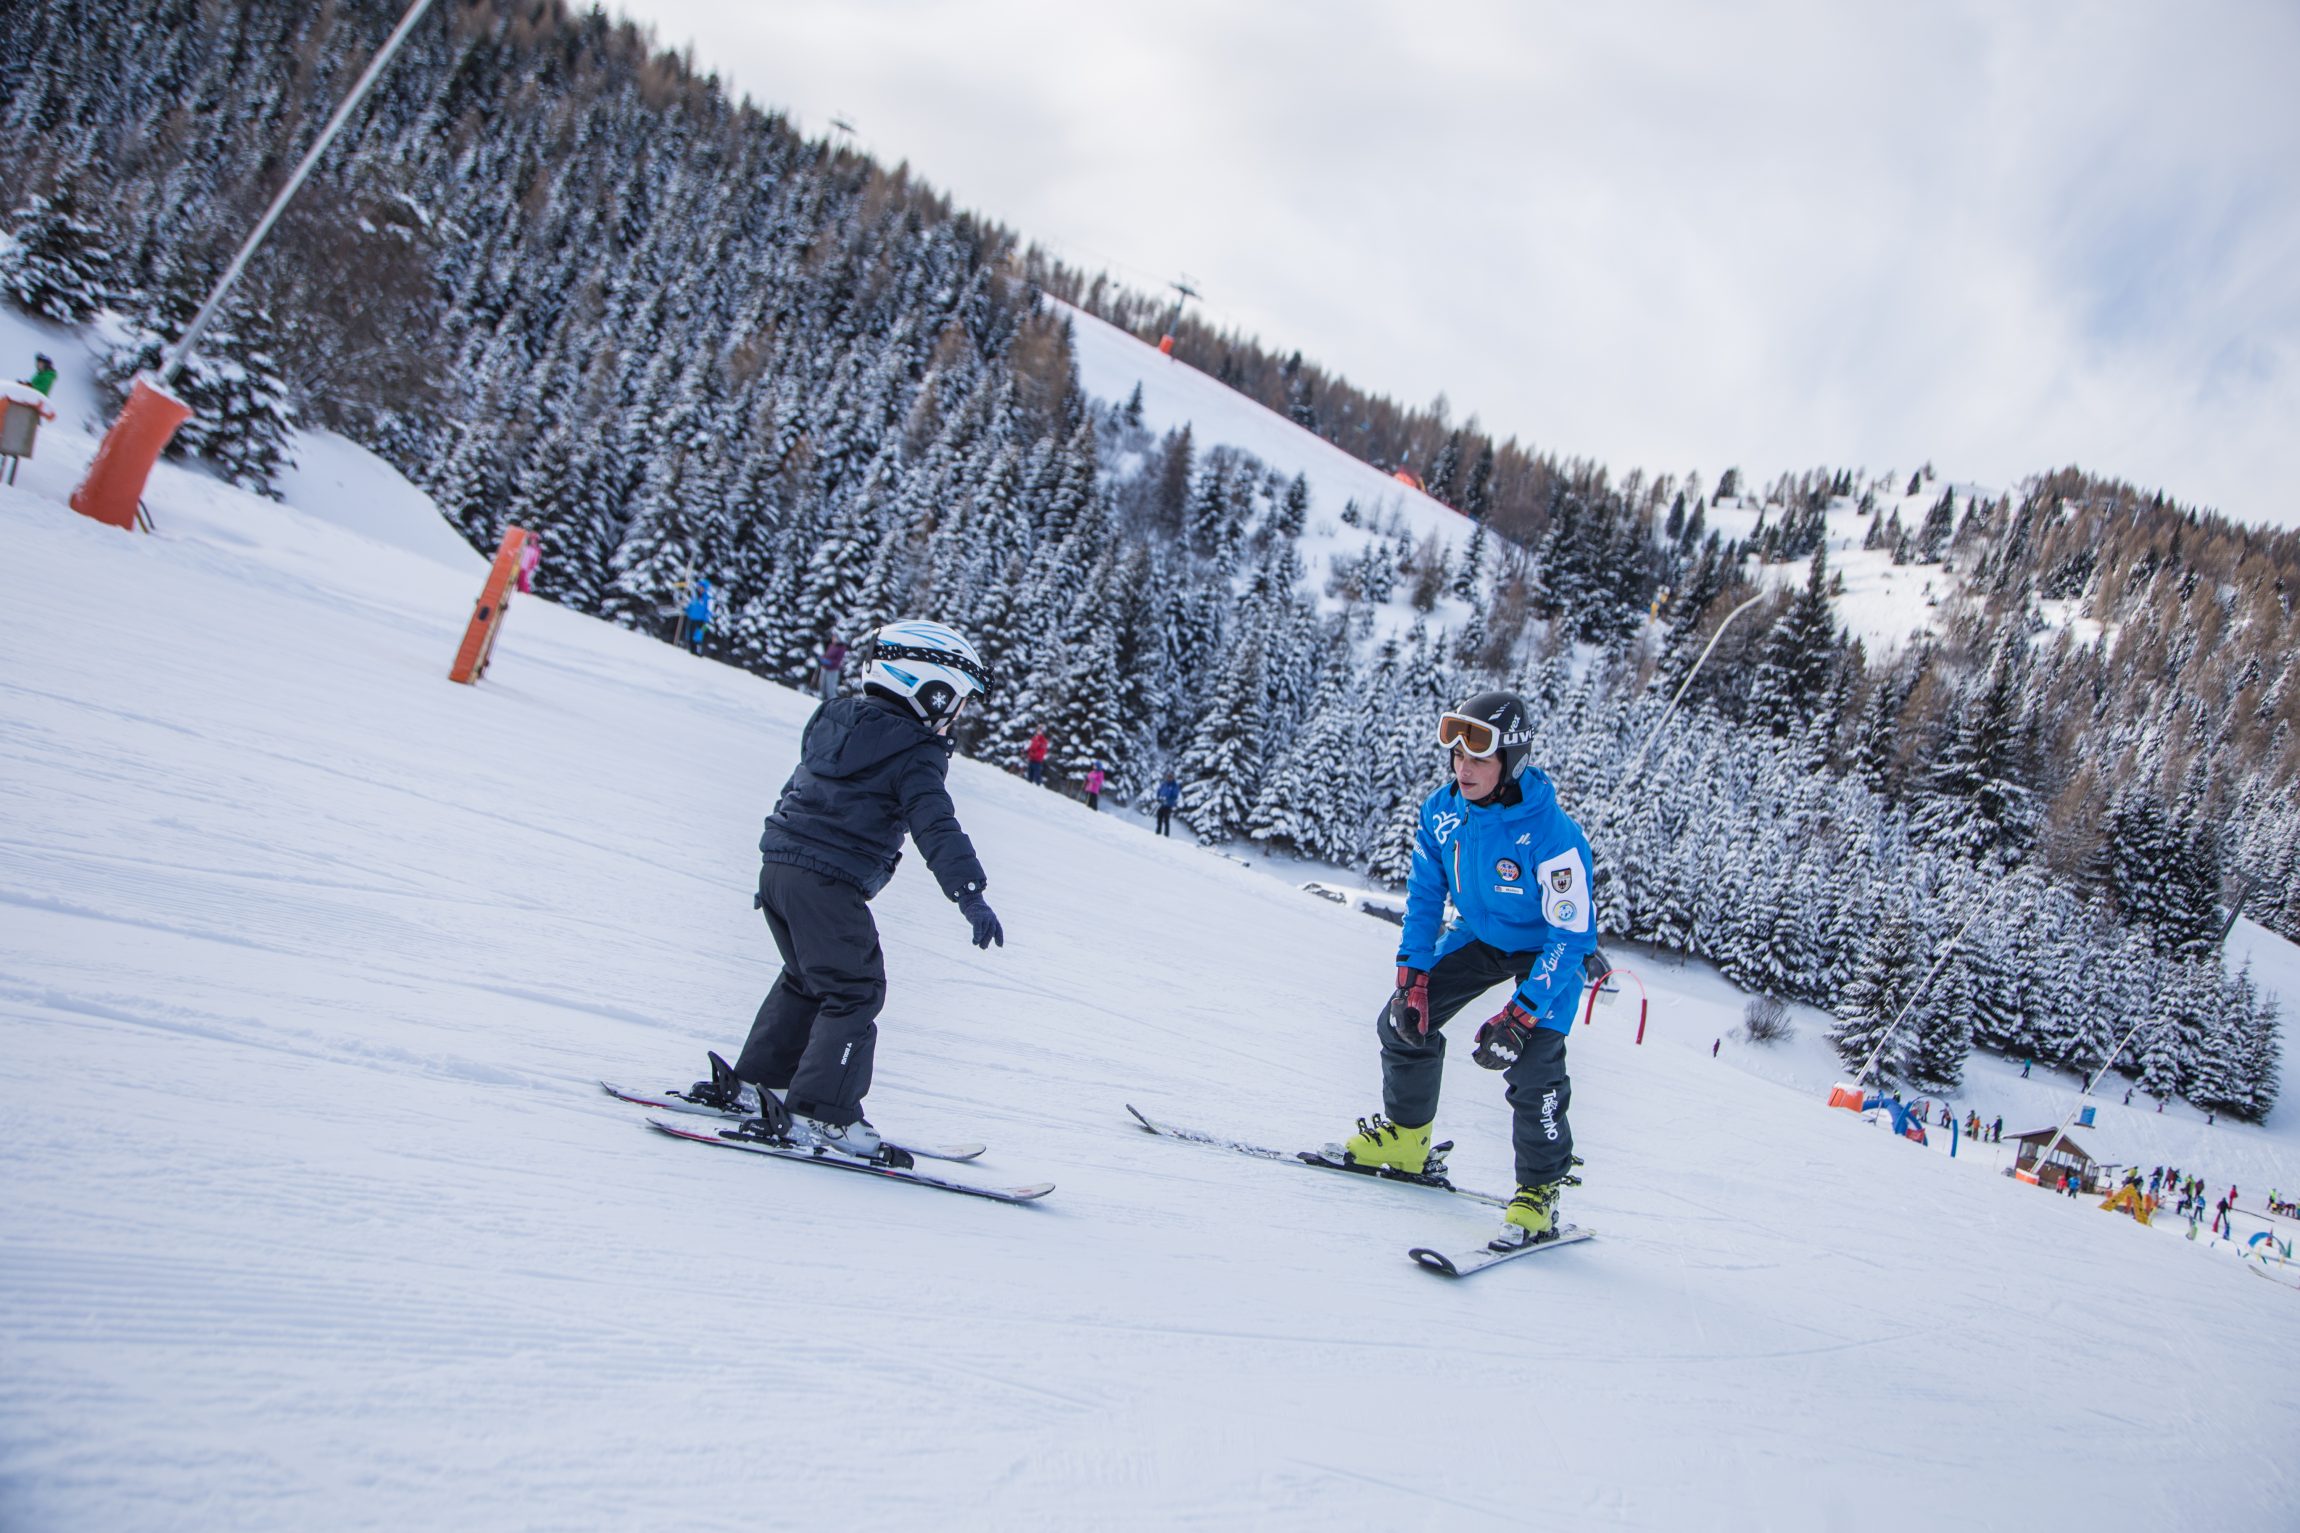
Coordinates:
[1539,1089]
[818,1027]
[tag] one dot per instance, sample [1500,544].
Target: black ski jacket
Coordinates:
[868,771]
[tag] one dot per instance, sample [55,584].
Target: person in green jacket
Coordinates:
[43,373]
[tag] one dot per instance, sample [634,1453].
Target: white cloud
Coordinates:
[1671,235]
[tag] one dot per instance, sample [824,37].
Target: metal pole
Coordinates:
[2114,1055]
[1860,1080]
[182,350]
[1638,760]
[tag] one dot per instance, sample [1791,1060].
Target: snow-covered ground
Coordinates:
[311,1214]
[1883,604]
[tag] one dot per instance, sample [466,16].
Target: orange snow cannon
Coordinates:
[115,481]
[487,617]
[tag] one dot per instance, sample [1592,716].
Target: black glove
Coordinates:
[1410,1007]
[1504,1037]
[978,913]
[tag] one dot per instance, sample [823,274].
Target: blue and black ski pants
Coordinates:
[1539,1089]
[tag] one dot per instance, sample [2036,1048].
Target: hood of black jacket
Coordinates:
[849,736]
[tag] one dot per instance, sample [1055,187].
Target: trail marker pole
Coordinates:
[487,617]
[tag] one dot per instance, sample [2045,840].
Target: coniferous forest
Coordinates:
[561,278]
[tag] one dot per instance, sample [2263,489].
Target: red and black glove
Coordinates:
[1410,1007]
[1504,1037]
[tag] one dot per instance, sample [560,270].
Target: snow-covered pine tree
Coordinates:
[653,567]
[2263,1061]
[1222,768]
[241,419]
[1976,800]
[1469,574]
[1798,658]
[1941,1029]
[1312,800]
[1880,988]
[56,261]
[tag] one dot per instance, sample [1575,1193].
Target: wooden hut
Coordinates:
[2068,1158]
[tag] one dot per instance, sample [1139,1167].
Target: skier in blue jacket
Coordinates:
[698,614]
[871,767]
[1517,869]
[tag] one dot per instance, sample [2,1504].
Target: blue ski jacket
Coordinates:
[1519,877]
[869,771]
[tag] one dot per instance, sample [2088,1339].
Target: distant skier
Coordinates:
[827,669]
[870,767]
[1034,757]
[1094,780]
[1169,795]
[1517,869]
[530,558]
[43,373]
[698,614]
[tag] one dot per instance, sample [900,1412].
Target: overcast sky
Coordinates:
[1683,235]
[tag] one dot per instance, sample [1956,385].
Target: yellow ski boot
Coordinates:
[1379,1142]
[1531,1217]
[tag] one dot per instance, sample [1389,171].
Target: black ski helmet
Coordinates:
[1506,713]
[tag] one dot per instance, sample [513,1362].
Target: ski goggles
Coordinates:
[921,655]
[1470,736]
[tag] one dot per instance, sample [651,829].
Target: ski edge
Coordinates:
[1463,1264]
[957,1153]
[1027,1194]
[1314,1159]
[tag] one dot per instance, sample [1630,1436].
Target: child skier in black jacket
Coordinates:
[870,768]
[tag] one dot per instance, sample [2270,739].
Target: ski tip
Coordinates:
[1433,1261]
[1138,1118]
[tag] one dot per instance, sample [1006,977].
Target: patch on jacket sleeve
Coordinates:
[1565,891]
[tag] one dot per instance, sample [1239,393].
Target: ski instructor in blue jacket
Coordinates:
[1518,871]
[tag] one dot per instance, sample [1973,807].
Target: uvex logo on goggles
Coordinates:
[1472,736]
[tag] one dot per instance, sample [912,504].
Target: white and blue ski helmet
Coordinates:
[930,666]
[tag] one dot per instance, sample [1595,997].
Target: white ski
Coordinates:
[1461,1264]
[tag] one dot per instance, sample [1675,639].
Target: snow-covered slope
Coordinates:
[1883,604]
[310,1213]
[1112,364]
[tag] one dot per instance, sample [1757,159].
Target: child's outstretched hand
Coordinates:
[979,915]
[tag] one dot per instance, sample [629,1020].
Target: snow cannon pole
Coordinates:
[487,617]
[1597,988]
[182,350]
[1654,733]
[1861,1081]
[2077,1106]
[114,485]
